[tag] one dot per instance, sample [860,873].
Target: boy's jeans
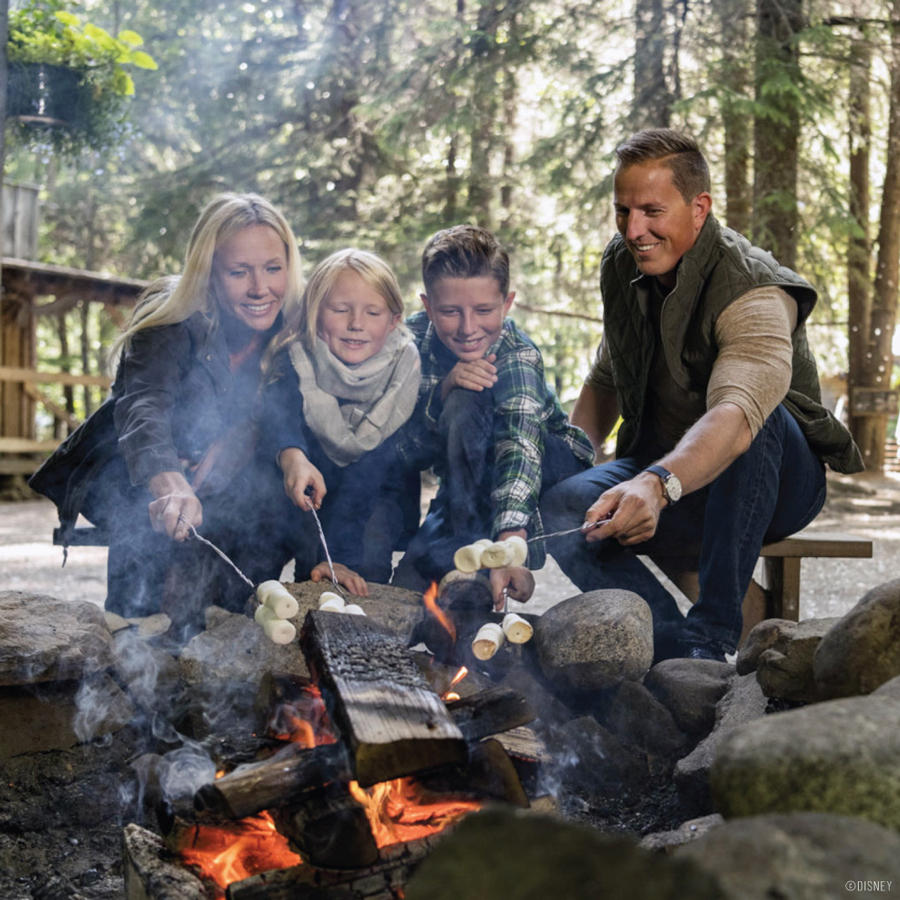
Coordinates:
[463,512]
[773,490]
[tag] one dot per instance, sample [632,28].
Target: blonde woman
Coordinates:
[173,448]
[349,382]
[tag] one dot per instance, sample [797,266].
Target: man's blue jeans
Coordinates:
[773,490]
[463,511]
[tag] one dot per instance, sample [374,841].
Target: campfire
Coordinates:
[367,759]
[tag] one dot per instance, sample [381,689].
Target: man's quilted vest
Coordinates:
[720,267]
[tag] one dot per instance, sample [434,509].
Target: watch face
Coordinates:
[673,488]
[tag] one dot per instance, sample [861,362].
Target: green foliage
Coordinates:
[49,32]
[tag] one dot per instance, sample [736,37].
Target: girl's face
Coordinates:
[354,319]
[250,272]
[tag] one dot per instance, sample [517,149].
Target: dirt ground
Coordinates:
[867,506]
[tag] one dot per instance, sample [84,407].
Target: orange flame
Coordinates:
[429,598]
[397,812]
[232,852]
[450,694]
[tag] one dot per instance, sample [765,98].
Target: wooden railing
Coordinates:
[29,378]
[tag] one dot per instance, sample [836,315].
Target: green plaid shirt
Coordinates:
[525,411]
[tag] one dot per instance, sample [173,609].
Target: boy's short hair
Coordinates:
[676,151]
[464,251]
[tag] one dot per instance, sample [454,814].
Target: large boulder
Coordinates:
[595,640]
[44,639]
[744,702]
[690,690]
[862,650]
[839,756]
[498,853]
[801,856]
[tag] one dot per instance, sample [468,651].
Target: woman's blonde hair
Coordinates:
[369,266]
[170,300]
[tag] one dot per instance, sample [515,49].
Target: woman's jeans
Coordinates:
[773,490]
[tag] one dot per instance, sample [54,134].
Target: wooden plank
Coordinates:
[821,544]
[24,445]
[19,375]
[388,715]
[14,465]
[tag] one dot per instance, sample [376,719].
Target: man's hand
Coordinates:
[176,506]
[516,581]
[299,475]
[633,508]
[354,582]
[478,375]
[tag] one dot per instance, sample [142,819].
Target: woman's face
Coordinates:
[354,319]
[250,271]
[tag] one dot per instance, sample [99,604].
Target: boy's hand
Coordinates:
[354,582]
[516,581]
[472,376]
[300,474]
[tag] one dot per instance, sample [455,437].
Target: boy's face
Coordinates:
[467,314]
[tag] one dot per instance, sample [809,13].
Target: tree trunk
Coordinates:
[734,76]
[484,106]
[652,100]
[859,250]
[777,128]
[878,357]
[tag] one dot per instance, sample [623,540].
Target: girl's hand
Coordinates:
[354,583]
[300,475]
[176,506]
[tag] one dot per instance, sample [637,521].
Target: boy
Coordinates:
[486,420]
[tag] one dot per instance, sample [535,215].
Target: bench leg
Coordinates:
[783,584]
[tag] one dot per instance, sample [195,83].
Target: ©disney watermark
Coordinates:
[855,886]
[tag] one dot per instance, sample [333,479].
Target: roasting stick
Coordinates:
[215,549]
[334,580]
[581,528]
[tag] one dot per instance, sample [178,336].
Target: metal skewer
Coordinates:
[196,536]
[581,528]
[334,580]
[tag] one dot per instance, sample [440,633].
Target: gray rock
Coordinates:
[595,640]
[862,651]
[588,757]
[526,856]
[889,689]
[744,702]
[636,717]
[802,856]
[667,841]
[45,639]
[690,690]
[59,715]
[149,673]
[839,756]
[781,654]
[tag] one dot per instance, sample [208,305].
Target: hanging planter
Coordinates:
[67,83]
[44,94]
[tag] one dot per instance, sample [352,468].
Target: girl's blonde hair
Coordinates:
[170,300]
[369,266]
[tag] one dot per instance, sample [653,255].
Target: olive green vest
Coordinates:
[720,267]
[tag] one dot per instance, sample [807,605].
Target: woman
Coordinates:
[173,448]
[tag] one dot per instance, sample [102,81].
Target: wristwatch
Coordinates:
[670,484]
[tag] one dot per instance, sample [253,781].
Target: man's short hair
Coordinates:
[676,151]
[464,251]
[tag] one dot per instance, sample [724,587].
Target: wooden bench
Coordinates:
[779,595]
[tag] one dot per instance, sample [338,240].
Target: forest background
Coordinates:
[373,123]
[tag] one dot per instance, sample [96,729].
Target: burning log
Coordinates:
[274,782]
[393,723]
[490,712]
[329,830]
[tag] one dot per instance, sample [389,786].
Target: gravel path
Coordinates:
[868,506]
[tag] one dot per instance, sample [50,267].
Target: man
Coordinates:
[723,439]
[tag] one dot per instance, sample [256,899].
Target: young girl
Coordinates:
[348,380]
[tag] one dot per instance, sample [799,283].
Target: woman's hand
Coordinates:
[299,475]
[176,506]
[354,582]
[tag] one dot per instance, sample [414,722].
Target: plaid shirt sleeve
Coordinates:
[519,437]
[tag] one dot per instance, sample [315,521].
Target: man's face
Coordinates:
[467,314]
[652,216]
